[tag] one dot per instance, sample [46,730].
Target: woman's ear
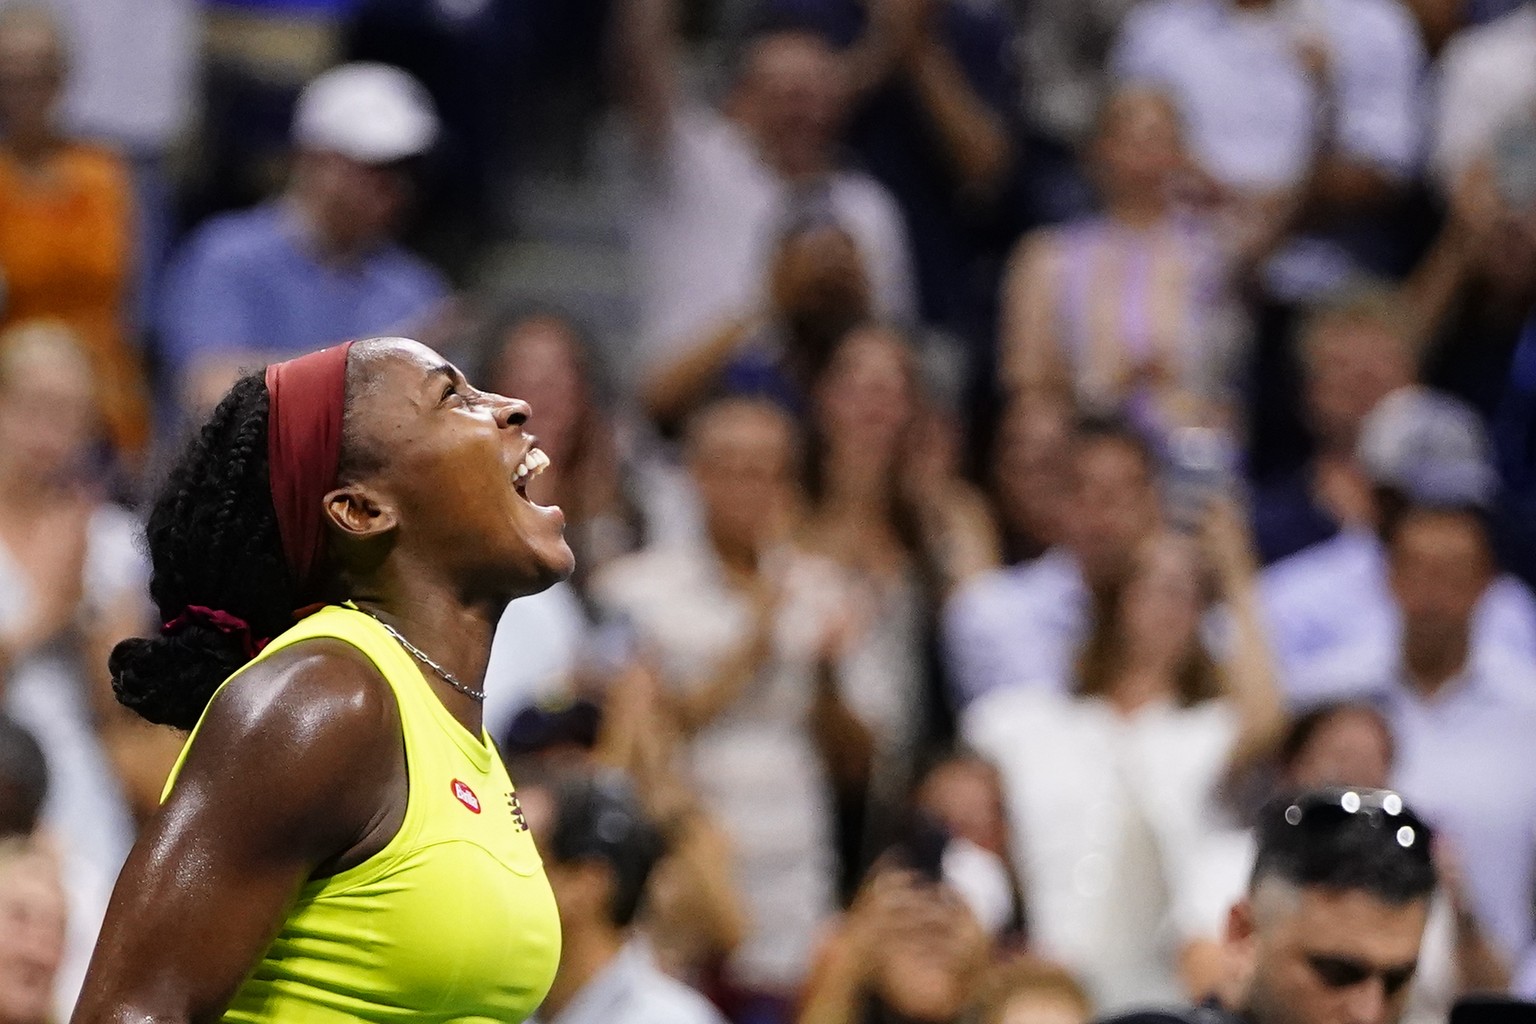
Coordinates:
[358,512]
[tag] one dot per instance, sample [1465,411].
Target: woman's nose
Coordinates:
[514,412]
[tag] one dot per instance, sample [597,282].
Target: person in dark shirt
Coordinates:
[1329,932]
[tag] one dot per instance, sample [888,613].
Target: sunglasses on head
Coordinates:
[1342,972]
[1326,810]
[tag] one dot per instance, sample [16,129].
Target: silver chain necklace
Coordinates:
[416,652]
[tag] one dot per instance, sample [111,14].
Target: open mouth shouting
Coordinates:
[533,463]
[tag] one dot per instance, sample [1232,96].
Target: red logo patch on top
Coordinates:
[466,796]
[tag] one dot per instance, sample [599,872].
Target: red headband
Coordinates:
[304,402]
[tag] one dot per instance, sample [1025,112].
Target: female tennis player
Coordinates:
[339,841]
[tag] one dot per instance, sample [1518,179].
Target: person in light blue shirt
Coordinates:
[1329,607]
[1463,711]
[317,264]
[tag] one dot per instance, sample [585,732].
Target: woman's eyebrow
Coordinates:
[441,370]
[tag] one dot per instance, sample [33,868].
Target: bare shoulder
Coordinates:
[305,744]
[318,692]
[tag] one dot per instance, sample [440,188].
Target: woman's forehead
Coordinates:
[396,355]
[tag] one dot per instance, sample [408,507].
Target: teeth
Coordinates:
[534,463]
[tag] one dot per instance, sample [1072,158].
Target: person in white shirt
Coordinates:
[1463,710]
[1303,112]
[1487,81]
[1022,625]
[751,638]
[718,187]
[1329,607]
[1111,788]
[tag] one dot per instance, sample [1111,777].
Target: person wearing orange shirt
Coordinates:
[65,222]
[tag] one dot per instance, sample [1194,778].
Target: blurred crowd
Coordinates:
[1034,433]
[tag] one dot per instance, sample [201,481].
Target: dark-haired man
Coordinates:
[598,851]
[1329,931]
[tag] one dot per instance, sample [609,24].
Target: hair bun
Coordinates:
[169,679]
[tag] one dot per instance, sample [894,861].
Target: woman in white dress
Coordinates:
[1111,786]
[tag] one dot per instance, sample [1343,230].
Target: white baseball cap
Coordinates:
[1430,446]
[373,113]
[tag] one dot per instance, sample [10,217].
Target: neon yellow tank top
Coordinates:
[452,921]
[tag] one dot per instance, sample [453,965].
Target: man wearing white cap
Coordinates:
[317,264]
[1330,610]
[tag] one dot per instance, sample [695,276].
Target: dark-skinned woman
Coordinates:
[339,841]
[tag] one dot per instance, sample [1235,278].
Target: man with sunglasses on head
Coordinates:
[1329,930]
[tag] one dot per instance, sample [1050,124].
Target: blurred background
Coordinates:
[1004,441]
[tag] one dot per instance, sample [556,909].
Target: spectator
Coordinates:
[1463,711]
[935,95]
[1487,83]
[1351,744]
[1023,625]
[545,358]
[1064,53]
[1355,350]
[1127,312]
[718,187]
[66,223]
[693,916]
[72,583]
[908,950]
[1334,916]
[317,264]
[599,851]
[1111,790]
[1329,607]
[886,507]
[818,291]
[32,919]
[1305,117]
[962,796]
[750,639]
[1027,475]
[1027,991]
[1474,293]
[542,357]
[23,781]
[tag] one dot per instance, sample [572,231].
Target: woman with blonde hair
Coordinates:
[72,584]
[1128,312]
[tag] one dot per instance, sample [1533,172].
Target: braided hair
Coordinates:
[213,541]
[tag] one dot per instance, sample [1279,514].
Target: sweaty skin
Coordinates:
[299,769]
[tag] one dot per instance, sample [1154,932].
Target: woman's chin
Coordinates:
[554,561]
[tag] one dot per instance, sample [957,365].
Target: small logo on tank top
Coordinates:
[466,796]
[516,807]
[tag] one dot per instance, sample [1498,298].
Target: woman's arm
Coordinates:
[700,706]
[297,771]
[1030,357]
[1247,672]
[678,388]
[1438,282]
